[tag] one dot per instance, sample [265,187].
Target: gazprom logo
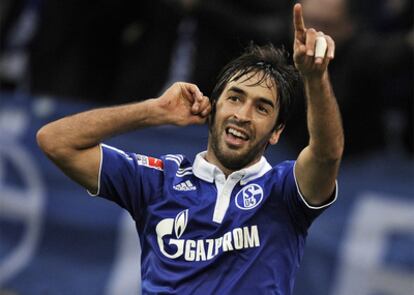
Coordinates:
[166,227]
[249,197]
[171,244]
[180,223]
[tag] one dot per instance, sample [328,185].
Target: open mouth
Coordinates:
[237,133]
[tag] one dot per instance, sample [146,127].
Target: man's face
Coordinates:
[244,122]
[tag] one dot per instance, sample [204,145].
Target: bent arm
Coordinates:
[317,165]
[72,143]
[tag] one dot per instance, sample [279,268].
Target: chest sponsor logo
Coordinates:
[249,197]
[170,230]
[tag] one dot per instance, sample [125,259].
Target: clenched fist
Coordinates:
[184,104]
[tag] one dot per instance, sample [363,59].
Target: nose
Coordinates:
[244,112]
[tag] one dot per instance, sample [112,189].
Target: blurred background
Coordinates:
[61,57]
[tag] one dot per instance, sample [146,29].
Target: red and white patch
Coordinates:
[150,162]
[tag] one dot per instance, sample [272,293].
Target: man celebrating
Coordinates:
[229,223]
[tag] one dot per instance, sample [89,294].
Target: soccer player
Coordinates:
[229,223]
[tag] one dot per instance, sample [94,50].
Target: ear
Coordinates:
[274,138]
[212,115]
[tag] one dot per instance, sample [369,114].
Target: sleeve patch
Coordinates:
[150,162]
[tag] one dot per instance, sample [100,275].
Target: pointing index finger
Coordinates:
[298,21]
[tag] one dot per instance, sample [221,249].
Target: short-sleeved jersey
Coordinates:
[203,233]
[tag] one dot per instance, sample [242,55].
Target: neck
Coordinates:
[211,158]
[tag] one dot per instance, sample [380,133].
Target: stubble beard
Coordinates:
[233,160]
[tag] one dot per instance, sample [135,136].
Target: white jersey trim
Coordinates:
[306,202]
[175,158]
[99,174]
[211,173]
[184,171]
[208,172]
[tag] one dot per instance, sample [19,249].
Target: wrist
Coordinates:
[156,112]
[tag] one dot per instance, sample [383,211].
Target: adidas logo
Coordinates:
[185,186]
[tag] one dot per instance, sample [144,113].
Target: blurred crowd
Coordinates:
[112,52]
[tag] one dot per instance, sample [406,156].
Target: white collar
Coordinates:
[209,172]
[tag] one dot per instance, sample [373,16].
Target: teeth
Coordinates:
[237,133]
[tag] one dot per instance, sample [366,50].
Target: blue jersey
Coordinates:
[203,233]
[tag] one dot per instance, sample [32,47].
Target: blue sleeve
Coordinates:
[302,213]
[129,179]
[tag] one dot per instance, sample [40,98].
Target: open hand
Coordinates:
[304,47]
[184,104]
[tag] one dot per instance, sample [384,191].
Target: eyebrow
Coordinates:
[237,90]
[244,93]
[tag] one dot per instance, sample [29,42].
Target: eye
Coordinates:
[234,98]
[262,109]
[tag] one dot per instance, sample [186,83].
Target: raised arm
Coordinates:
[317,165]
[72,143]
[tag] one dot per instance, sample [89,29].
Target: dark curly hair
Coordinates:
[272,64]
